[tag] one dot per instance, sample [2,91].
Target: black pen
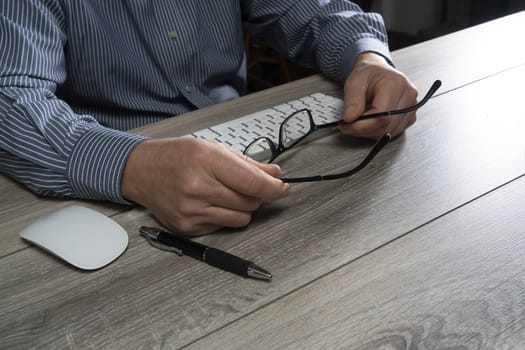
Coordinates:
[215,257]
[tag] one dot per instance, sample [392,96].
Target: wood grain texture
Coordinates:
[457,59]
[466,143]
[467,55]
[147,299]
[456,283]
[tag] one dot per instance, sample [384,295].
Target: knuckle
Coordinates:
[191,187]
[254,205]
[390,82]
[251,204]
[411,120]
[200,151]
[185,209]
[383,122]
[255,184]
[178,222]
[185,225]
[200,148]
[412,93]
[243,219]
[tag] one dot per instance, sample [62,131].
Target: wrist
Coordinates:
[368,58]
[132,176]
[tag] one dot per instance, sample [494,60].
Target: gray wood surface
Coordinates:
[457,152]
[457,59]
[466,143]
[466,56]
[456,283]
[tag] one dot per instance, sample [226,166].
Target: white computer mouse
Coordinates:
[81,236]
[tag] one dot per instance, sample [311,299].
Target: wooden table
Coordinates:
[423,249]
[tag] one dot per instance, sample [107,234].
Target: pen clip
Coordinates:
[159,245]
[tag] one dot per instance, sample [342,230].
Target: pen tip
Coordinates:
[258,272]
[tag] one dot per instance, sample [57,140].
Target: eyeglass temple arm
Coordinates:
[435,86]
[375,150]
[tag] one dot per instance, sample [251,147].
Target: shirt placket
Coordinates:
[183,61]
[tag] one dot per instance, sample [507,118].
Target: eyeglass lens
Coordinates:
[295,128]
[299,124]
[261,150]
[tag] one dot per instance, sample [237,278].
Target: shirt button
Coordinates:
[172,34]
[187,88]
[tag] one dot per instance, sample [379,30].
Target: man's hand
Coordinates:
[374,86]
[195,186]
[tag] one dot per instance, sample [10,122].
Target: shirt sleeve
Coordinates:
[44,144]
[325,34]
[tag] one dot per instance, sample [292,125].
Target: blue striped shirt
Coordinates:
[76,74]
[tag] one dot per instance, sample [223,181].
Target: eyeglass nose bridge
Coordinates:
[277,149]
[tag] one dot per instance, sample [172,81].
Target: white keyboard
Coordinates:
[238,133]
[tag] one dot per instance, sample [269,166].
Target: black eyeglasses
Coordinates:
[300,124]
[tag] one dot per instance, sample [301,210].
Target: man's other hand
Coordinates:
[374,86]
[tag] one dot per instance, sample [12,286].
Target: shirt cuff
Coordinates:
[361,46]
[97,163]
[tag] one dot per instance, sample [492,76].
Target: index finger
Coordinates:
[385,97]
[245,176]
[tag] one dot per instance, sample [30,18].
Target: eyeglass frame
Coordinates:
[378,146]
